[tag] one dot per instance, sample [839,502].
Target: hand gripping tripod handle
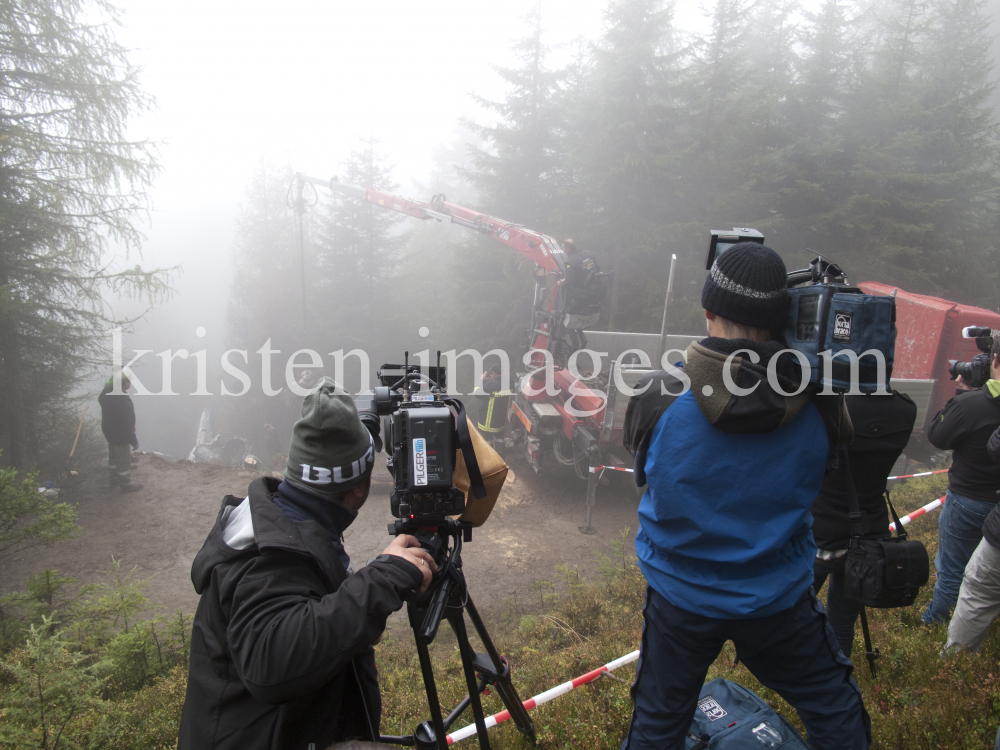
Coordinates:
[435,611]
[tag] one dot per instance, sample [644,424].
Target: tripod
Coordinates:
[448,598]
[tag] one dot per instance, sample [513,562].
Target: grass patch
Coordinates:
[917,701]
[117,683]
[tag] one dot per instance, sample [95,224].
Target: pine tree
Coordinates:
[519,175]
[357,251]
[517,172]
[908,176]
[71,184]
[270,298]
[626,153]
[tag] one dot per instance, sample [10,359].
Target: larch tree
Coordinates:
[72,188]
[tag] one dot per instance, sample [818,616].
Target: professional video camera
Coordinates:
[976,372]
[424,431]
[830,320]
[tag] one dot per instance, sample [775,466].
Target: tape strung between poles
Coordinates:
[492,721]
[918,512]
[914,476]
[602,469]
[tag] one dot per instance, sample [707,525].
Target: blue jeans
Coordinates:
[960,529]
[841,613]
[793,652]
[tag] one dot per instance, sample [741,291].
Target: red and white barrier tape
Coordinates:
[914,476]
[595,469]
[545,697]
[918,512]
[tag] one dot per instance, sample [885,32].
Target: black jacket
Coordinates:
[965,426]
[281,653]
[882,427]
[117,417]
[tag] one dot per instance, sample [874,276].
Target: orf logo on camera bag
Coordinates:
[842,326]
[732,717]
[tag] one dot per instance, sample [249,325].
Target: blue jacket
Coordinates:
[725,527]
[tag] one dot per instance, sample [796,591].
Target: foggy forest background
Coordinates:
[864,131]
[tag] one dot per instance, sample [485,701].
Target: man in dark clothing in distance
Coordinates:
[964,426]
[882,427]
[281,652]
[581,267]
[118,426]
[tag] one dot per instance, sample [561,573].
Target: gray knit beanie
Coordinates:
[747,285]
[331,451]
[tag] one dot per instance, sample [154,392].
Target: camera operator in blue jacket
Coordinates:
[725,542]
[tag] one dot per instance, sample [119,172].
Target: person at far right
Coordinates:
[964,426]
[979,598]
[733,459]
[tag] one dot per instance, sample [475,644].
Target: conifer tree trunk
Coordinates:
[11,413]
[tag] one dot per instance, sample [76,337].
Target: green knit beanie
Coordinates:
[331,451]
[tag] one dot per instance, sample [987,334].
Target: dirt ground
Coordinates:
[159,529]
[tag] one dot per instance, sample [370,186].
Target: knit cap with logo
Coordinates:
[331,450]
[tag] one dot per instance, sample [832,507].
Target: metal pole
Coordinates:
[666,306]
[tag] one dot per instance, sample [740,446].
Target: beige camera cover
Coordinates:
[494,472]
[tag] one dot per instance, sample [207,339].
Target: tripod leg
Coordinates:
[457,622]
[871,654]
[432,695]
[505,687]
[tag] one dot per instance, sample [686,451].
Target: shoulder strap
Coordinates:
[899,526]
[468,452]
[853,508]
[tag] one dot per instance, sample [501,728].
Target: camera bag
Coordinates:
[882,573]
[828,317]
[493,471]
[732,717]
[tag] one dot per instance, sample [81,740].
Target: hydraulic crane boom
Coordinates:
[536,247]
[550,329]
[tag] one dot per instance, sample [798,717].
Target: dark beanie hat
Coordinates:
[747,285]
[331,451]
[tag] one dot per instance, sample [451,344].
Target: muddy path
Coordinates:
[159,529]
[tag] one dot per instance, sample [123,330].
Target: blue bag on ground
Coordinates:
[732,717]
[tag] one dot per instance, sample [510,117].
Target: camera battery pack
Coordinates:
[427,434]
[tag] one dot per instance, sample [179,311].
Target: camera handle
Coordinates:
[448,598]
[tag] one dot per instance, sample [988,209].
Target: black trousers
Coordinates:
[794,652]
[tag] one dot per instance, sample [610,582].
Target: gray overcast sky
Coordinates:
[300,82]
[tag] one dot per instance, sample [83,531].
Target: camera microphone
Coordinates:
[976,332]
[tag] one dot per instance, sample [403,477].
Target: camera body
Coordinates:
[976,372]
[841,331]
[420,439]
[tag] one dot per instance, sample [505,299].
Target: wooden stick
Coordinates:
[78,428]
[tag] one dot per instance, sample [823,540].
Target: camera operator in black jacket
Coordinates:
[281,653]
[882,427]
[964,426]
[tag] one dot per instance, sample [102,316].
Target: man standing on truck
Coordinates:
[732,466]
[964,426]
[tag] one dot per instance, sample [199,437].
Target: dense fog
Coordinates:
[860,130]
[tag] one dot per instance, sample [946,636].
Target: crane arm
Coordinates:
[536,247]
